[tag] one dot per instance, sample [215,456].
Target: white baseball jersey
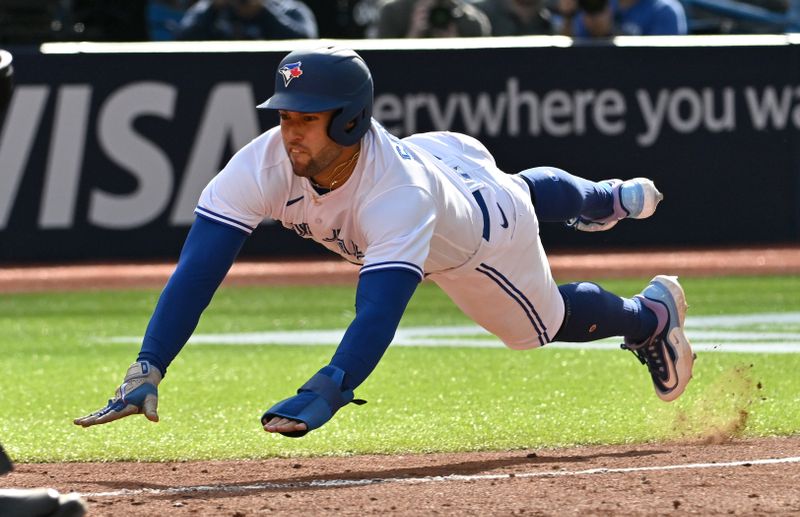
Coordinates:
[434,204]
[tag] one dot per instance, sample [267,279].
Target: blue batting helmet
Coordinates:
[324,79]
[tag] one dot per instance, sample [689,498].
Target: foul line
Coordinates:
[344,483]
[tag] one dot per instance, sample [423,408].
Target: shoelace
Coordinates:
[641,353]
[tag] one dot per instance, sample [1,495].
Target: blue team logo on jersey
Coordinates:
[290,71]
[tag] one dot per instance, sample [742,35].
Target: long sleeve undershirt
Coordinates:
[207,255]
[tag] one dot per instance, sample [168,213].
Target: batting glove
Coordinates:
[137,394]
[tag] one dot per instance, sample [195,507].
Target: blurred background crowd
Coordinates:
[37,21]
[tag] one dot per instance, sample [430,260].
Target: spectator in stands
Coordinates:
[740,17]
[105,21]
[431,19]
[35,21]
[517,17]
[164,16]
[350,19]
[247,20]
[607,18]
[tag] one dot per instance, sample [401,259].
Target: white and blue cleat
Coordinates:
[635,198]
[667,353]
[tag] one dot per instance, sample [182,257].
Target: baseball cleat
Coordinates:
[636,198]
[667,353]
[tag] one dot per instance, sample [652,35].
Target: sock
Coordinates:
[592,313]
[559,196]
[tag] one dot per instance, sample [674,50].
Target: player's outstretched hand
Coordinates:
[278,424]
[137,394]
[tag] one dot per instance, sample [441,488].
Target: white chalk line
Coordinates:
[729,333]
[345,483]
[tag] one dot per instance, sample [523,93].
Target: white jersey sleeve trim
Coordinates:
[393,264]
[227,221]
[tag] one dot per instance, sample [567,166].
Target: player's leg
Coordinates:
[513,297]
[512,294]
[509,290]
[526,310]
[559,196]
[592,313]
[651,324]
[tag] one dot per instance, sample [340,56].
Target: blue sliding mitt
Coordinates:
[316,401]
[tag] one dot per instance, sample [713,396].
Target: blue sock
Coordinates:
[592,313]
[558,196]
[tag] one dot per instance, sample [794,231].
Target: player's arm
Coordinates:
[230,207]
[207,255]
[398,226]
[381,299]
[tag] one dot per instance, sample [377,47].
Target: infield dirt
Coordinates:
[524,482]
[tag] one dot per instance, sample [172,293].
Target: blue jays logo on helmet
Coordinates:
[290,71]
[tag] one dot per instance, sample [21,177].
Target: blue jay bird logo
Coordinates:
[290,71]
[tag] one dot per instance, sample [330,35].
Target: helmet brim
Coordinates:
[300,102]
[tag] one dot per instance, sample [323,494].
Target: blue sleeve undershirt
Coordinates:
[207,255]
[381,299]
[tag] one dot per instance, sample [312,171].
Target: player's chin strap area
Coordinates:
[316,401]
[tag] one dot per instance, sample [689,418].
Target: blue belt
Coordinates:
[484,211]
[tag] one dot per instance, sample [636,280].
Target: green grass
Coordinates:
[57,365]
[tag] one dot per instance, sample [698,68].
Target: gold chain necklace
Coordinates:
[342,168]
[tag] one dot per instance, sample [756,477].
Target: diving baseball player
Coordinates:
[433,206]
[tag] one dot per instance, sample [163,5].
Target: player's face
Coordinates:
[305,137]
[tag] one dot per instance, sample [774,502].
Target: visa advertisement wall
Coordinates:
[104,155]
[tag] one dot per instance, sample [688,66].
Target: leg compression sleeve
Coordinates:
[558,196]
[592,313]
[208,253]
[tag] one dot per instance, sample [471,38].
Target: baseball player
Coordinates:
[40,502]
[433,205]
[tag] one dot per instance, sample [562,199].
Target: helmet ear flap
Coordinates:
[349,124]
